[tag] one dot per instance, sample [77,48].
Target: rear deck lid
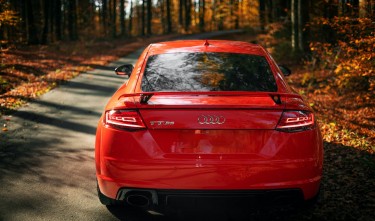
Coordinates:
[210,110]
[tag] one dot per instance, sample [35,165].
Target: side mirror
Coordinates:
[286,71]
[125,69]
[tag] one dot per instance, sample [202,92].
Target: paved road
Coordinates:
[47,156]
[47,159]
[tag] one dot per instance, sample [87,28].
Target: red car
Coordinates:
[206,122]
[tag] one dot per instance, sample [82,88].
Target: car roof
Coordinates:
[205,46]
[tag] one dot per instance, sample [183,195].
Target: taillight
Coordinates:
[125,119]
[294,121]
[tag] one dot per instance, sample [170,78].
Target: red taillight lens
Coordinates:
[293,121]
[126,119]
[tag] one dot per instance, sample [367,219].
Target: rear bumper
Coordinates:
[136,160]
[174,200]
[304,176]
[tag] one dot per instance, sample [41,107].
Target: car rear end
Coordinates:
[208,126]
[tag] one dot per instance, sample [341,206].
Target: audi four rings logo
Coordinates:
[211,119]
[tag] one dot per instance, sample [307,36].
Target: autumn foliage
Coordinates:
[339,79]
[328,44]
[336,74]
[347,52]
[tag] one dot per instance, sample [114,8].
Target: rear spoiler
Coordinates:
[276,96]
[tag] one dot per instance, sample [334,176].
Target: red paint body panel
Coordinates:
[211,159]
[197,46]
[245,152]
[234,119]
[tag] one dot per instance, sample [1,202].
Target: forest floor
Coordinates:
[347,121]
[26,72]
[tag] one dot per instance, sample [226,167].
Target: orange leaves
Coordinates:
[29,71]
[351,57]
[334,133]
[8,17]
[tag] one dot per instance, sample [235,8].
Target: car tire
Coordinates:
[316,199]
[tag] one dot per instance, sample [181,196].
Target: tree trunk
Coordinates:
[122,18]
[51,21]
[237,14]
[57,12]
[169,19]
[294,19]
[276,8]
[32,37]
[46,19]
[300,25]
[187,15]
[24,21]
[180,12]
[201,15]
[113,18]
[355,8]
[262,14]
[104,16]
[269,11]
[138,12]
[234,14]
[130,26]
[72,20]
[163,20]
[369,8]
[213,25]
[149,17]
[143,17]
[303,19]
[221,18]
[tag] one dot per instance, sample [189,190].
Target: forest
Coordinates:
[328,44]
[44,22]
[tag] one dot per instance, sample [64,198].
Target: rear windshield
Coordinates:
[208,72]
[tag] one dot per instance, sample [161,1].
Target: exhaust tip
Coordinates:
[138,200]
[142,198]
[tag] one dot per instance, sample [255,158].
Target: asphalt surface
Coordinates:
[47,157]
[47,169]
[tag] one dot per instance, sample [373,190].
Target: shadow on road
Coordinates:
[217,214]
[56,122]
